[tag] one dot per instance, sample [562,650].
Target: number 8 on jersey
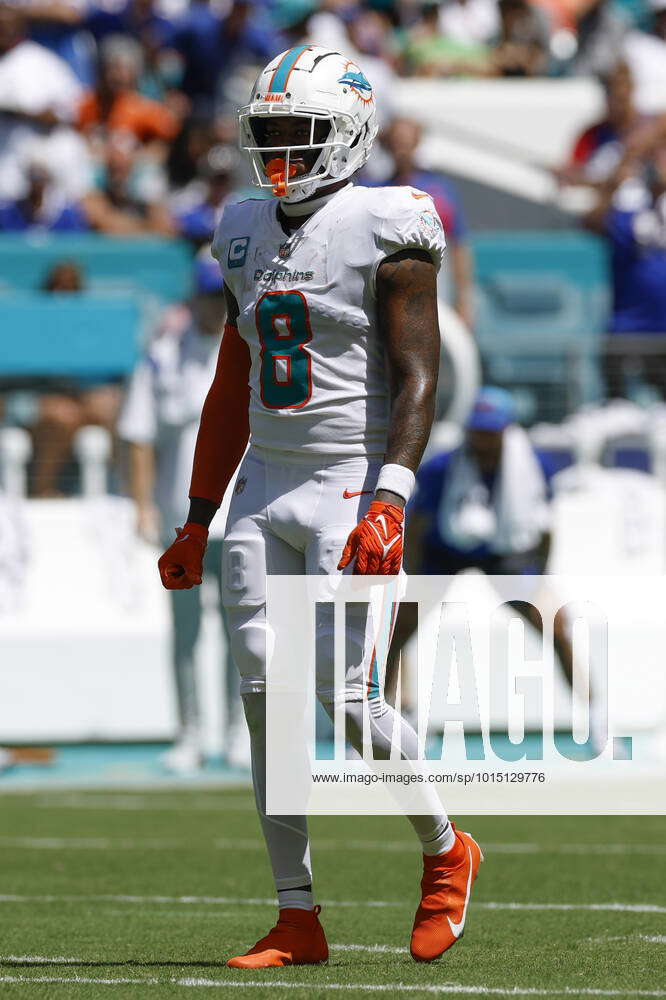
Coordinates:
[283,325]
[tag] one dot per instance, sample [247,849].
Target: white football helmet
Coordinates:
[324,86]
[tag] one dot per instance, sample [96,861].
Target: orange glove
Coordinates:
[376,541]
[181,566]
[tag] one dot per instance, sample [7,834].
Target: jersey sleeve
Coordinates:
[232,240]
[219,246]
[410,219]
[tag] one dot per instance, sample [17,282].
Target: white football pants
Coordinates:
[290,516]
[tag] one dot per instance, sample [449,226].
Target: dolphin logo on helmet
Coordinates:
[358,82]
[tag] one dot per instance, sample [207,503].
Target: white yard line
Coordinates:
[394,988]
[62,960]
[598,907]
[256,844]
[648,938]
[42,960]
[380,903]
[91,843]
[118,801]
[87,980]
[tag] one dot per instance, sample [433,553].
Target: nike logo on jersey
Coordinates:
[457,929]
[415,195]
[347,495]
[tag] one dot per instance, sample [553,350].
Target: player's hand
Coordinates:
[181,566]
[376,541]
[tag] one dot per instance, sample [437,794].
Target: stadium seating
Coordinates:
[99,332]
[542,302]
[159,267]
[70,335]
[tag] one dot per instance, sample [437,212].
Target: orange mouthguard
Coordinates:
[275,171]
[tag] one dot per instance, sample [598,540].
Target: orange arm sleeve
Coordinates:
[224,428]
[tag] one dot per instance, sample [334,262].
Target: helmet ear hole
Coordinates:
[359,135]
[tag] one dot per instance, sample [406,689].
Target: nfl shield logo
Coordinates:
[284,250]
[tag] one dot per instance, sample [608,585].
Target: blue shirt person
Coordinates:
[484,504]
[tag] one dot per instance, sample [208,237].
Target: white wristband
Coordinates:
[398,479]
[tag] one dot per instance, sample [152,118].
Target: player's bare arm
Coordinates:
[407,322]
[407,315]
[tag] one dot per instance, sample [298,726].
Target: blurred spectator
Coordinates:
[64,277]
[646,54]
[427,51]
[35,85]
[213,47]
[402,140]
[116,104]
[521,48]
[142,21]
[160,420]
[631,214]
[38,98]
[361,35]
[601,30]
[192,144]
[483,506]
[129,195]
[139,19]
[217,173]
[599,149]
[42,207]
[469,21]
[58,27]
[66,408]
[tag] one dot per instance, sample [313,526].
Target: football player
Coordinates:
[328,367]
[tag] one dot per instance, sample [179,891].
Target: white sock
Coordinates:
[295,899]
[442,840]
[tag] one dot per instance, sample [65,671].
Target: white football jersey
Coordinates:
[318,381]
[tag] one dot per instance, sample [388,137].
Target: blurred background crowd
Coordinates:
[119,119]
[538,126]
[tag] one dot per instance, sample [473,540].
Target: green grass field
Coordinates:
[133,894]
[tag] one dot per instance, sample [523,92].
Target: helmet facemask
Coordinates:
[328,155]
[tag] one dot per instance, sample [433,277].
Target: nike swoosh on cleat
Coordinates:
[457,929]
[417,196]
[358,493]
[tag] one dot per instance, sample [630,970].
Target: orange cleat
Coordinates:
[445,892]
[297,939]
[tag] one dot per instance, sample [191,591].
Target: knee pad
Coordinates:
[357,652]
